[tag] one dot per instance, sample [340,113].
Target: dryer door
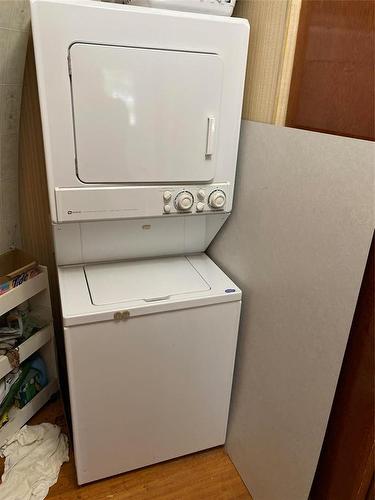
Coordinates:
[145,115]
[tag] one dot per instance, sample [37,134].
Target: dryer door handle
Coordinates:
[211,129]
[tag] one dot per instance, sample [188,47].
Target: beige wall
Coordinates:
[14,31]
[273,31]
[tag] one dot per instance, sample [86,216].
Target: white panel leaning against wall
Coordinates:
[14,32]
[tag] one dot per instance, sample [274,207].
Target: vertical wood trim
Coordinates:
[35,222]
[285,74]
[273,35]
[267,30]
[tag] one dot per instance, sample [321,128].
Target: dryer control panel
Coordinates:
[195,199]
[134,202]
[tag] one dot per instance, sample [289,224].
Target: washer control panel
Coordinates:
[194,199]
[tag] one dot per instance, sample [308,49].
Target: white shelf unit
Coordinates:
[36,291]
[23,292]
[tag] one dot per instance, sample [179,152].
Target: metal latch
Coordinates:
[121,315]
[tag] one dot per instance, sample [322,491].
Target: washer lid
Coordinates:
[149,280]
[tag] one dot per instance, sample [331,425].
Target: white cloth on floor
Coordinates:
[33,458]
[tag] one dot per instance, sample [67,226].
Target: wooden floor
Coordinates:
[205,475]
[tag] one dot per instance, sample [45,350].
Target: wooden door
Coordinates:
[332,88]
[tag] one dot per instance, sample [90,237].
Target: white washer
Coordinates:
[150,347]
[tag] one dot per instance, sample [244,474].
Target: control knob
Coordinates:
[201,194]
[184,201]
[167,195]
[217,199]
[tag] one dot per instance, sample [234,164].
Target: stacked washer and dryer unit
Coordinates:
[141,115]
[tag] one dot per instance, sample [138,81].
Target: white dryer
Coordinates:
[141,113]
